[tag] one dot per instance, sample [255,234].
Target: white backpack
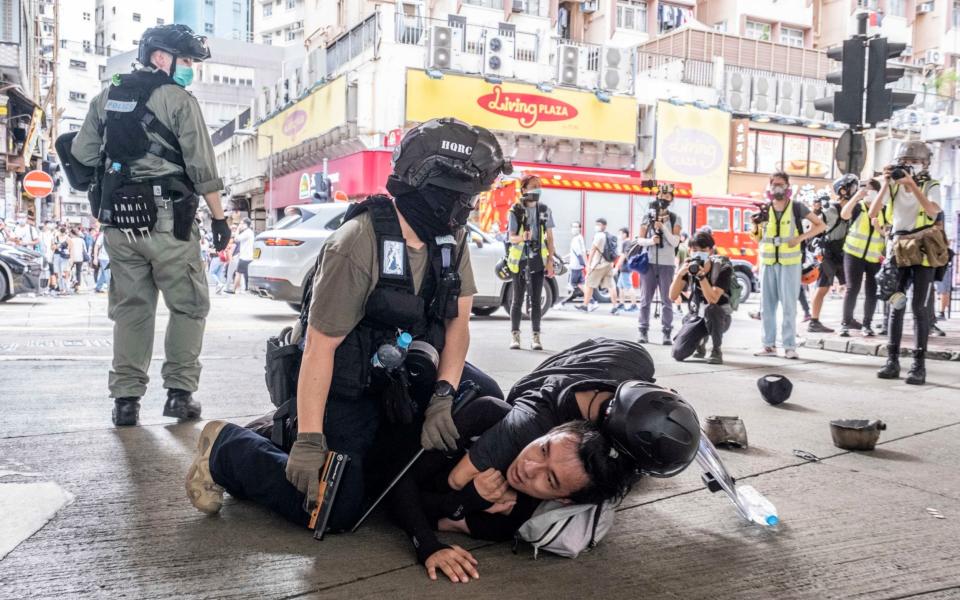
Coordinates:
[566,529]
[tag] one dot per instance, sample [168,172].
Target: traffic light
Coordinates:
[321,188]
[846,105]
[881,102]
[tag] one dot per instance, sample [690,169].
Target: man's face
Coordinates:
[549,468]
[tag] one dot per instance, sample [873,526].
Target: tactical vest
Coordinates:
[515,255]
[922,220]
[785,228]
[128,119]
[393,306]
[863,241]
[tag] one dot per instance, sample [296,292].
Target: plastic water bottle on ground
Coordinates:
[391,356]
[757,508]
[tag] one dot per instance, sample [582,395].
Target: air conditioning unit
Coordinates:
[737,91]
[440,50]
[924,8]
[933,57]
[499,52]
[764,93]
[568,65]
[519,6]
[788,98]
[589,6]
[907,51]
[614,69]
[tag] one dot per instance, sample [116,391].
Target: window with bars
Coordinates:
[756,30]
[267,9]
[895,8]
[78,96]
[632,14]
[791,37]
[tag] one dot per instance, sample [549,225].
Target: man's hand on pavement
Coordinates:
[455,562]
[221,233]
[305,461]
[439,431]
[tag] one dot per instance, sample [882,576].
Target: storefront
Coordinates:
[355,176]
[761,149]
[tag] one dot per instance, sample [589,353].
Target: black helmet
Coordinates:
[653,426]
[178,40]
[848,182]
[449,154]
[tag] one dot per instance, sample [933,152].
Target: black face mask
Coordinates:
[433,211]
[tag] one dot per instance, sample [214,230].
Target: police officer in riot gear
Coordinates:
[395,265]
[147,143]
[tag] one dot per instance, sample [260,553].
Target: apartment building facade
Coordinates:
[281,22]
[120,23]
[229,19]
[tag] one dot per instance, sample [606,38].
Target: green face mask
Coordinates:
[183,75]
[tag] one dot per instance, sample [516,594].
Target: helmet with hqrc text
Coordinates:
[848,183]
[450,154]
[918,151]
[653,426]
[179,40]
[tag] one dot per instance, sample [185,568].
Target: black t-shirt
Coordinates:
[722,279]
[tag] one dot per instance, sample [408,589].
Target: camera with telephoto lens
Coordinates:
[696,264]
[763,213]
[901,171]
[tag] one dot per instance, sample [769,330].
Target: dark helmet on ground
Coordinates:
[653,426]
[848,183]
[450,154]
[178,40]
[502,270]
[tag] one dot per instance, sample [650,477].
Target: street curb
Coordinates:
[872,349]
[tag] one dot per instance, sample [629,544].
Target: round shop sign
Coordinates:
[692,152]
[294,122]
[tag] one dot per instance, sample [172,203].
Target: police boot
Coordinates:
[181,405]
[891,370]
[126,411]
[667,340]
[918,370]
[642,338]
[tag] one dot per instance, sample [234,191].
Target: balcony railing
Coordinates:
[352,44]
[415,31]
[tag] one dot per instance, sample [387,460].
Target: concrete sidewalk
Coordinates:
[854,525]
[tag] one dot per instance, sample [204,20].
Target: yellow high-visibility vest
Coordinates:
[785,229]
[515,254]
[863,240]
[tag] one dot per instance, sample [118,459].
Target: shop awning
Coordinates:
[629,185]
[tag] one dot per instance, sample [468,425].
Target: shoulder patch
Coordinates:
[394,264]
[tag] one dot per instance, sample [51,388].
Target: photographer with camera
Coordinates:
[862,250]
[659,236]
[908,199]
[705,280]
[777,228]
[830,247]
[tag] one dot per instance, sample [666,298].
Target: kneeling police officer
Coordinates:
[395,266]
[145,139]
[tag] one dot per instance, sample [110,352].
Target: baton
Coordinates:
[464,398]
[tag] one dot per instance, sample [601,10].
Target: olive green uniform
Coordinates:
[142,266]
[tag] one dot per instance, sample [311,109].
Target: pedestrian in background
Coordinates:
[831,244]
[234,254]
[599,270]
[530,257]
[77,255]
[777,227]
[245,238]
[577,263]
[625,287]
[660,236]
[102,259]
[863,249]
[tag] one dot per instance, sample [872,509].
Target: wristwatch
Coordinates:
[443,388]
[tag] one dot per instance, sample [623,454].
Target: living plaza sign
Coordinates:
[527,109]
[521,108]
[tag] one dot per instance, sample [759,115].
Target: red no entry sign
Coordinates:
[37,184]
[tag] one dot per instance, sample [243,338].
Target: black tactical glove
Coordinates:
[304,463]
[439,430]
[221,233]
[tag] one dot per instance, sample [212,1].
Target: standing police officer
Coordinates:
[146,137]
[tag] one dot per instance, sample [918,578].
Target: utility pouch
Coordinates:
[132,206]
[282,369]
[445,300]
[184,212]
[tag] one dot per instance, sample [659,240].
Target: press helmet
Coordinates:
[914,151]
[653,426]
[450,154]
[179,40]
[848,182]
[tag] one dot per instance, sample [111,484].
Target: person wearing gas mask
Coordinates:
[659,237]
[395,266]
[830,245]
[705,280]
[530,257]
[147,143]
[863,249]
[777,227]
[908,200]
